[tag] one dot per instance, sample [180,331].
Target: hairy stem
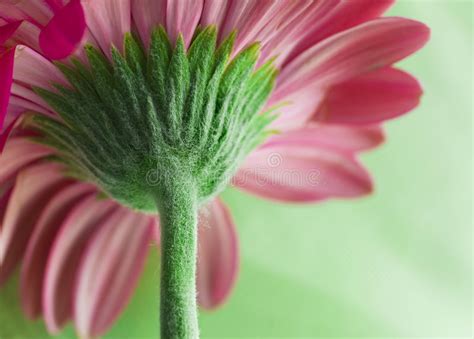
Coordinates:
[178,207]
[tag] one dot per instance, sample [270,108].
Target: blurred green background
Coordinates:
[395,264]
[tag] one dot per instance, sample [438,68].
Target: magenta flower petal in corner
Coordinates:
[155,107]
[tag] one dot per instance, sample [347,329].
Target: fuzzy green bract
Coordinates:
[132,124]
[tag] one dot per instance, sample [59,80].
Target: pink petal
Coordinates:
[64,32]
[6,74]
[341,138]
[214,12]
[33,188]
[37,252]
[148,14]
[33,69]
[28,35]
[64,257]
[347,14]
[109,270]
[108,21]
[294,168]
[349,54]
[18,153]
[7,133]
[370,98]
[182,16]
[8,30]
[218,258]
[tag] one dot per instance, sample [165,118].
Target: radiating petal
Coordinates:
[214,13]
[347,14]
[61,269]
[289,168]
[6,76]
[33,188]
[39,245]
[148,14]
[109,270]
[18,153]
[60,37]
[218,255]
[108,21]
[370,98]
[33,69]
[354,52]
[182,16]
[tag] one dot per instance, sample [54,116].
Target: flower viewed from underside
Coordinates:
[81,247]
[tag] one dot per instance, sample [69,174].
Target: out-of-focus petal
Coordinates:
[6,79]
[289,168]
[148,14]
[371,98]
[33,188]
[39,245]
[347,14]
[61,269]
[218,255]
[60,37]
[109,270]
[182,16]
[108,21]
[8,30]
[354,52]
[18,153]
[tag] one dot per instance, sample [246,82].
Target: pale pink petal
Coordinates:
[6,73]
[108,21]
[290,169]
[8,132]
[36,11]
[109,270]
[214,12]
[218,255]
[347,14]
[147,15]
[295,110]
[33,69]
[33,188]
[28,35]
[29,95]
[60,37]
[374,97]
[39,245]
[18,153]
[354,52]
[61,269]
[182,16]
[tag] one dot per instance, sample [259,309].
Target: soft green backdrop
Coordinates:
[396,264]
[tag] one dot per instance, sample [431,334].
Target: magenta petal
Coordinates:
[37,252]
[6,79]
[8,30]
[292,168]
[109,271]
[64,32]
[33,188]
[370,98]
[357,51]
[218,255]
[64,257]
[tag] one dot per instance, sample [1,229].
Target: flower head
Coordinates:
[284,95]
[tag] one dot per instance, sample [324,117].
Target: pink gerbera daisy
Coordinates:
[154,107]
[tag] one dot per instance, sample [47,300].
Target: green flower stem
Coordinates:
[177,204]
